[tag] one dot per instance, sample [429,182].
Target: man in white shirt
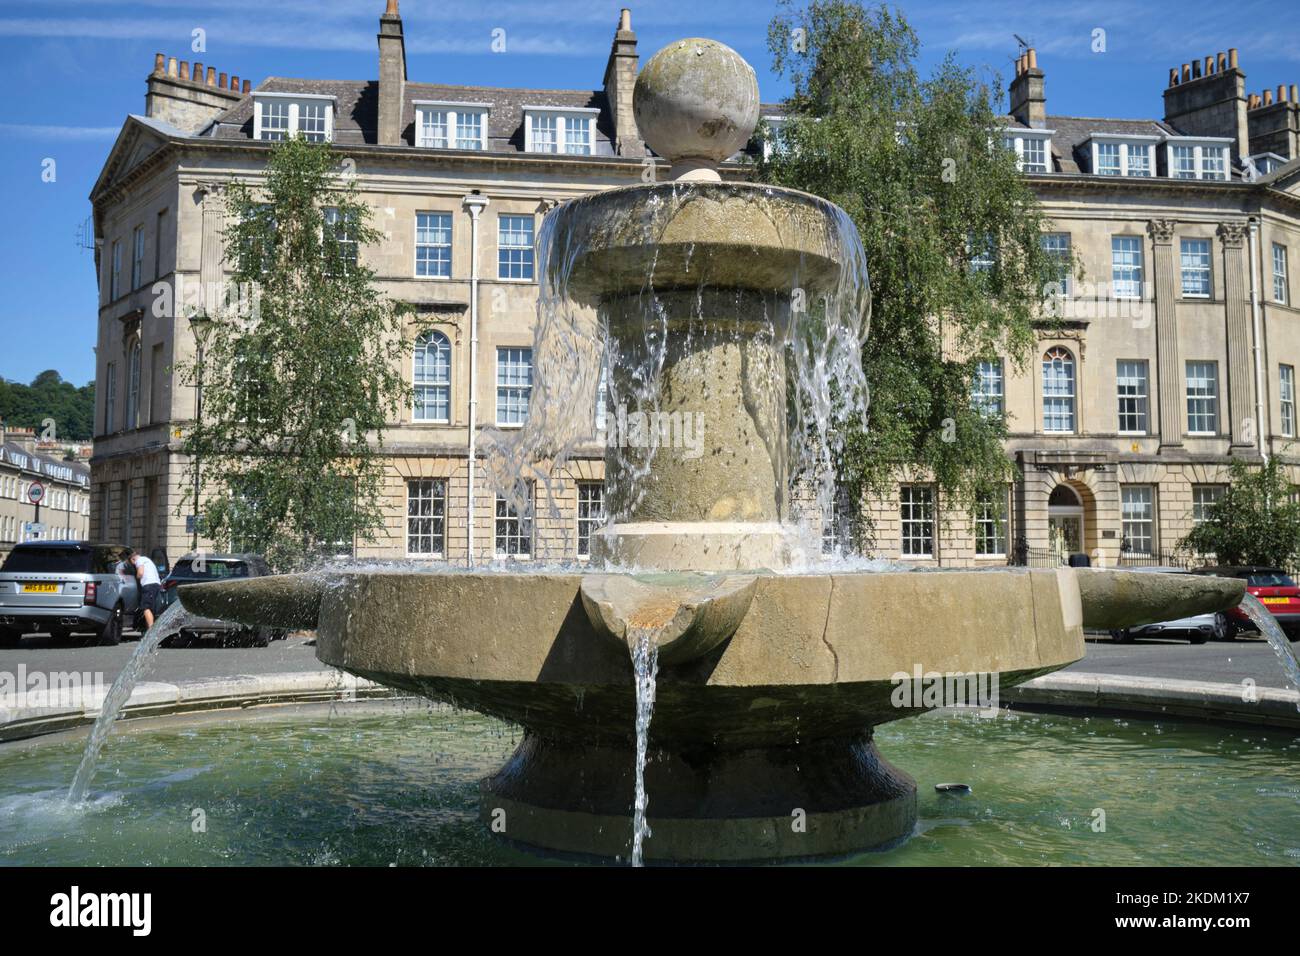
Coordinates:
[146,572]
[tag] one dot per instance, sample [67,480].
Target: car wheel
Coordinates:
[110,635]
[1222,628]
[1122,636]
[10,637]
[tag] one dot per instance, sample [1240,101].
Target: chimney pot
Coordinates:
[221,81]
[625,19]
[197,74]
[1268,97]
[171,66]
[1033,58]
[185,70]
[159,63]
[392,9]
[247,86]
[1223,62]
[1196,69]
[1209,65]
[212,76]
[1187,72]
[1281,93]
[1232,57]
[234,83]
[1173,76]
[1293,93]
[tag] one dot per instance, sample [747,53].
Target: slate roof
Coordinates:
[51,469]
[1070,148]
[356,117]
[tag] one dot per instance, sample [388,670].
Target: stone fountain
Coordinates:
[771,674]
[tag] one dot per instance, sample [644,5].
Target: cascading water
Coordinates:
[167,623]
[1263,619]
[645,665]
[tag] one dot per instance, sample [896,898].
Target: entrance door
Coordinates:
[1065,522]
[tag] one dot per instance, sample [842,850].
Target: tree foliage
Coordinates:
[917,163]
[49,397]
[300,376]
[1255,522]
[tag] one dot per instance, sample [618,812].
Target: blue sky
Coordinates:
[72,69]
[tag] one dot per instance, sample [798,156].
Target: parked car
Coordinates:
[66,587]
[216,567]
[1197,629]
[1275,589]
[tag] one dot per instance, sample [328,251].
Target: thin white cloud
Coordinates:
[32,131]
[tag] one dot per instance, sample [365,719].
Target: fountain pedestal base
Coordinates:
[822,798]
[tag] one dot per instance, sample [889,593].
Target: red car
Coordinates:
[1275,589]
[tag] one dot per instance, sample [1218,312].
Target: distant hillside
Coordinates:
[49,396]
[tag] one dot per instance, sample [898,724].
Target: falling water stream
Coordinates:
[1276,637]
[136,667]
[645,665]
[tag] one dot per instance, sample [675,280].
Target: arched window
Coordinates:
[133,387]
[432,378]
[1058,390]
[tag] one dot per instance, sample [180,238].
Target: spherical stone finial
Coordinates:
[696,103]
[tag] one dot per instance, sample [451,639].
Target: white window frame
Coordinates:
[1199,269]
[454,113]
[1050,377]
[1052,244]
[986,519]
[419,245]
[989,392]
[115,272]
[1137,509]
[524,526]
[426,510]
[1281,279]
[294,122]
[1135,389]
[431,342]
[1199,146]
[1129,146]
[1286,399]
[503,248]
[137,257]
[1133,270]
[1204,495]
[134,357]
[562,116]
[916,521]
[1203,400]
[590,515]
[513,393]
[1014,138]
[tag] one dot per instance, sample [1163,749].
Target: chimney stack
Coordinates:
[177,94]
[1210,100]
[1028,97]
[620,78]
[392,76]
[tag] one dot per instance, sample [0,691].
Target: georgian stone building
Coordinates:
[64,512]
[1175,351]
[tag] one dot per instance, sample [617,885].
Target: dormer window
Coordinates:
[548,130]
[451,125]
[1192,158]
[1123,156]
[1033,149]
[277,116]
[1265,163]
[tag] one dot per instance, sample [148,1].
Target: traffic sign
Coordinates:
[36,493]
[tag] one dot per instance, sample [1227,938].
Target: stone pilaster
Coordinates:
[1236,307]
[1169,365]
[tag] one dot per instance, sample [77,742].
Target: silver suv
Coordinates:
[64,588]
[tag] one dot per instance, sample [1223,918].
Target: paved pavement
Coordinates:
[1216,661]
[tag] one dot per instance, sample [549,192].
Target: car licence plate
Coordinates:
[1277,600]
[40,589]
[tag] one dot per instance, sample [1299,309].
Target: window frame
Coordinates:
[453,112]
[137,257]
[134,358]
[1126,148]
[1199,168]
[1126,521]
[437,488]
[561,115]
[1135,268]
[991,403]
[419,246]
[1142,399]
[908,515]
[591,523]
[1204,271]
[1286,399]
[1000,522]
[525,524]
[507,263]
[1061,252]
[1210,396]
[440,343]
[294,125]
[1281,276]
[516,394]
[1072,397]
[1198,506]
[115,271]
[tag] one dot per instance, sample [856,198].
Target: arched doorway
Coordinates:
[1065,521]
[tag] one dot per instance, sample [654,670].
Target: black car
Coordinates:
[194,568]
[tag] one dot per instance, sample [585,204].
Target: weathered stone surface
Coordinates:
[1115,599]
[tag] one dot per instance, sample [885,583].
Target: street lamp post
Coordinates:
[201,327]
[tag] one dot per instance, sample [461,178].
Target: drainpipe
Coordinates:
[474,204]
[1259,338]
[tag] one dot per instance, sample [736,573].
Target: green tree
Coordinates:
[49,398]
[951,230]
[300,370]
[1256,521]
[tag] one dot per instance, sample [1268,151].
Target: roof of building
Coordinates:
[44,466]
[356,117]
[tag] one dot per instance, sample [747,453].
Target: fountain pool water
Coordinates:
[398,784]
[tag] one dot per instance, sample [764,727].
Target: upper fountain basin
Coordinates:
[698,235]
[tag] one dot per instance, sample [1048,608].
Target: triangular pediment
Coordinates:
[138,140]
